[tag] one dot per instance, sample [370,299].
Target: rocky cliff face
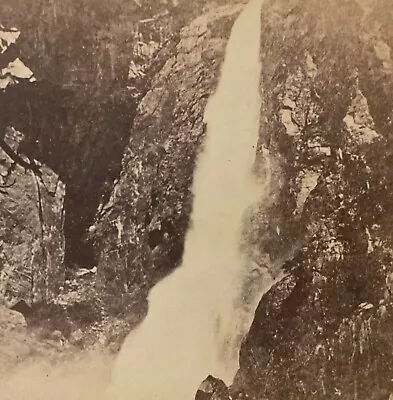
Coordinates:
[322,330]
[90,61]
[32,239]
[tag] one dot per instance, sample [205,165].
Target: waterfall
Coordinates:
[196,321]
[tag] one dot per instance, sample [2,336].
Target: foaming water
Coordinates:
[196,318]
[82,377]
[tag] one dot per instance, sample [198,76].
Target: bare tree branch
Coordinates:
[18,159]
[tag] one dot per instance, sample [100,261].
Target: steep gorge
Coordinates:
[326,128]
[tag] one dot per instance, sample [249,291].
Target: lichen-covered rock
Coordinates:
[31,233]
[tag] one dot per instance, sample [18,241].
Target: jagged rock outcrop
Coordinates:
[212,388]
[32,240]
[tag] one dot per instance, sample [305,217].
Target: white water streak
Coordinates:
[194,324]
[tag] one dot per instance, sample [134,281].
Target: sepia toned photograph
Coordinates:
[196,200]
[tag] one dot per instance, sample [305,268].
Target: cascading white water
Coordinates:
[194,324]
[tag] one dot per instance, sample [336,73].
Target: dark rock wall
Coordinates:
[322,331]
[77,118]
